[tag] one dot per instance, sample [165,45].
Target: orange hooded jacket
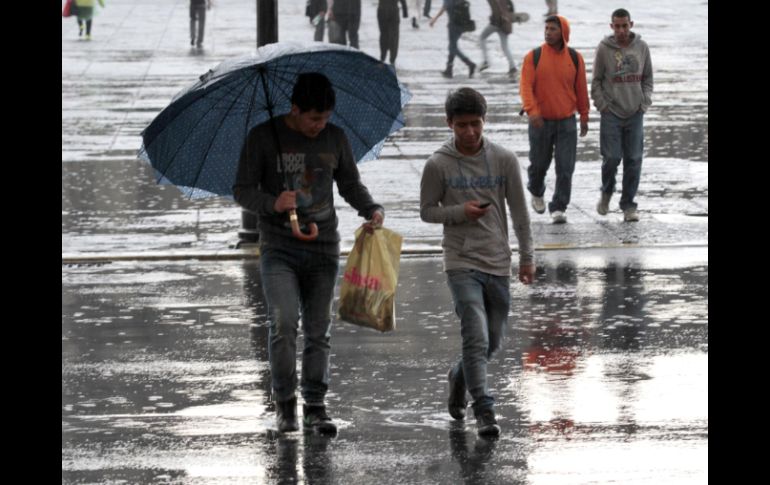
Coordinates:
[550,90]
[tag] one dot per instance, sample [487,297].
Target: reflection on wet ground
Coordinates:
[604,376]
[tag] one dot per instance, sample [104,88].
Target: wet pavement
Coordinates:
[603,377]
[604,372]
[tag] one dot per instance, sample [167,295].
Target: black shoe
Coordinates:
[447,73]
[315,417]
[415,25]
[192,42]
[286,415]
[471,70]
[486,423]
[457,401]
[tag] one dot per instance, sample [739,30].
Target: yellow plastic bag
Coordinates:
[368,291]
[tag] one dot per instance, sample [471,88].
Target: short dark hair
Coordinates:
[465,101]
[313,91]
[554,19]
[620,13]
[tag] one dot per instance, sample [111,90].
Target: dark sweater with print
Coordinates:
[308,165]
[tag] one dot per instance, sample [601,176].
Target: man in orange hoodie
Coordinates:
[553,87]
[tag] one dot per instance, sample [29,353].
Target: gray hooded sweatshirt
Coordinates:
[622,78]
[449,180]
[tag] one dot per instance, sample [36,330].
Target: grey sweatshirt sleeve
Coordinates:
[246,189]
[597,94]
[519,214]
[431,194]
[647,80]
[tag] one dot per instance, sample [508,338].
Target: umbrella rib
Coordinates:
[211,143]
[252,100]
[177,115]
[179,148]
[350,92]
[162,173]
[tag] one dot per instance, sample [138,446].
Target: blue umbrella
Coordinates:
[196,141]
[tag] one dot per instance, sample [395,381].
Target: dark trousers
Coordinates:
[344,30]
[197,16]
[389,30]
[454,36]
[561,135]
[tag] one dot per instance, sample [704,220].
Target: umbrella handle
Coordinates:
[296,230]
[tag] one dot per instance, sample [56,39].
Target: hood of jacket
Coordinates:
[449,148]
[611,42]
[565,29]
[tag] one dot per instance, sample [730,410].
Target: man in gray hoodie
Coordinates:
[622,91]
[465,186]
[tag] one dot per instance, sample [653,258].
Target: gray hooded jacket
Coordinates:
[492,175]
[622,78]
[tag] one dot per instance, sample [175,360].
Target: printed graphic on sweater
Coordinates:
[487,182]
[626,67]
[312,180]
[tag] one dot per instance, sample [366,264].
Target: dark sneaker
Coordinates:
[471,70]
[486,423]
[315,417]
[457,401]
[286,415]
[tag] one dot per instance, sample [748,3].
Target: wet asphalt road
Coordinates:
[603,377]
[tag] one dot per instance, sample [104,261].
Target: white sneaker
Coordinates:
[538,204]
[604,204]
[630,215]
[559,217]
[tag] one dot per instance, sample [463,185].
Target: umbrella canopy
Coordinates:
[196,141]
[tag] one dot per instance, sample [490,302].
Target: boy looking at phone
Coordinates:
[465,171]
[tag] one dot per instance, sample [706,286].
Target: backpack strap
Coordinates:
[572,54]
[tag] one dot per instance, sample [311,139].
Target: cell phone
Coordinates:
[484,205]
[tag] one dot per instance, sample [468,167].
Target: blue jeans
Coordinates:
[563,135]
[299,282]
[481,301]
[454,36]
[622,138]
